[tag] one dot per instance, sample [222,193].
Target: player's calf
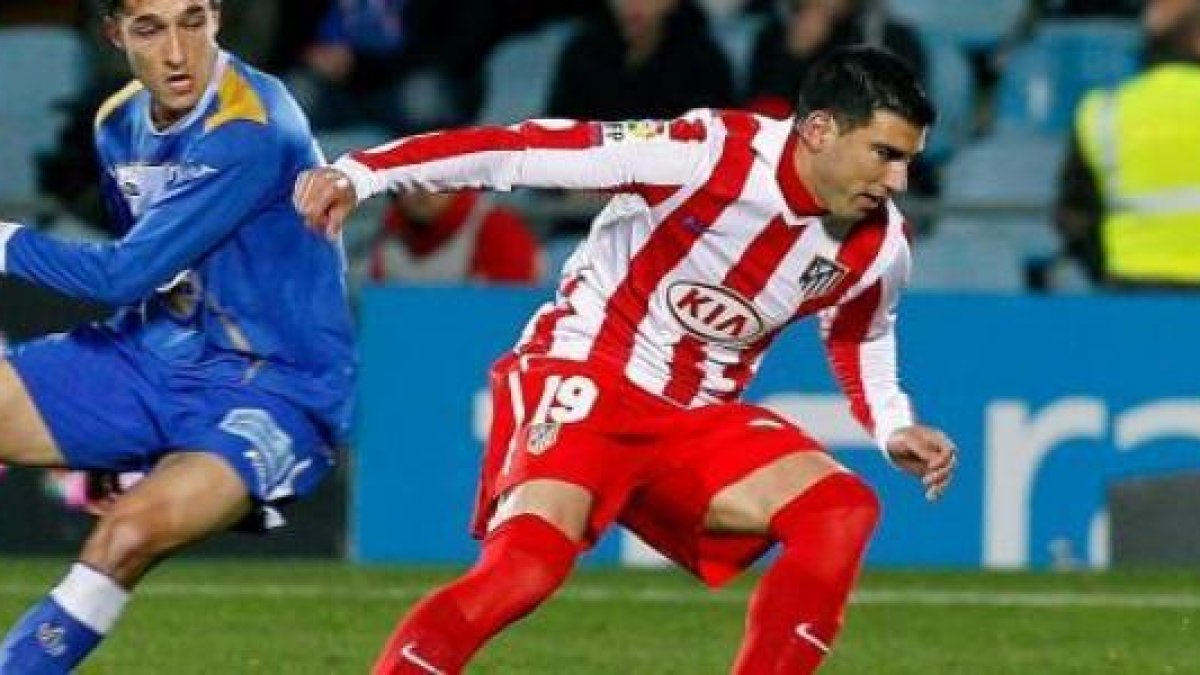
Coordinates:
[524,561]
[797,609]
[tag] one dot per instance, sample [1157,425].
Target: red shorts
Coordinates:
[650,465]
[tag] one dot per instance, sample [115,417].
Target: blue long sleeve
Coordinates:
[208,196]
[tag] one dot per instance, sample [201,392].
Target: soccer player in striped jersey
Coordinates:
[226,373]
[621,401]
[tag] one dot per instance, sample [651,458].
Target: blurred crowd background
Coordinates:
[1018,191]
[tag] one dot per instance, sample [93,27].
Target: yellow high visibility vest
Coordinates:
[1142,142]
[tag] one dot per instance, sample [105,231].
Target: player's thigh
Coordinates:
[24,437]
[187,496]
[559,446]
[747,463]
[747,505]
[565,505]
[81,399]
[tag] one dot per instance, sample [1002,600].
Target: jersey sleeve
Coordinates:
[860,341]
[562,154]
[211,193]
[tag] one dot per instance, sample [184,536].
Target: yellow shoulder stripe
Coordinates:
[116,101]
[237,100]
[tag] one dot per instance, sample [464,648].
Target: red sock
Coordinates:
[796,611]
[523,562]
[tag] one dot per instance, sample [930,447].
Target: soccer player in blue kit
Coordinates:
[227,372]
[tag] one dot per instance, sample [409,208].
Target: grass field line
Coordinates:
[907,596]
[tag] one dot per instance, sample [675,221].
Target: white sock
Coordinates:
[91,597]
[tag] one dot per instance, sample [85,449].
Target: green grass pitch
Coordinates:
[203,617]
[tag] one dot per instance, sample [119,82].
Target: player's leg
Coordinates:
[24,437]
[823,516]
[187,497]
[547,490]
[526,555]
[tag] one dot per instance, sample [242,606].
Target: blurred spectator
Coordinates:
[406,65]
[295,34]
[510,17]
[642,59]
[721,10]
[452,237]
[1129,201]
[803,31]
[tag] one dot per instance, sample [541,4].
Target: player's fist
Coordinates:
[325,198]
[927,453]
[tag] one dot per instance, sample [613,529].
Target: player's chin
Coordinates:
[177,105]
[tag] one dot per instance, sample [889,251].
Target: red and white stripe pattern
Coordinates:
[709,247]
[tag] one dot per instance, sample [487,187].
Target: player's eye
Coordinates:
[886,154]
[146,30]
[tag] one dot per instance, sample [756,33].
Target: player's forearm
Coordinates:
[867,374]
[557,154]
[88,271]
[495,158]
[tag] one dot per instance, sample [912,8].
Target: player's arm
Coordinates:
[560,154]
[204,204]
[860,340]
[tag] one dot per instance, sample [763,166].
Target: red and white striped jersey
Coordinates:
[710,246]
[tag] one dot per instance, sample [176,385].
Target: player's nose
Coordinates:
[895,178]
[175,55]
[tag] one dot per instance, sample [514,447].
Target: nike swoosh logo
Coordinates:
[804,630]
[409,654]
[764,423]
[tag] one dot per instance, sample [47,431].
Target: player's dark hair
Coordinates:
[854,82]
[115,7]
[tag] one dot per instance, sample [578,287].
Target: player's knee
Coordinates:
[127,538]
[861,505]
[841,499]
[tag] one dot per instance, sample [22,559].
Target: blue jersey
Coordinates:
[216,274]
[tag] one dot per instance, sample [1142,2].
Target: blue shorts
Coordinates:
[111,407]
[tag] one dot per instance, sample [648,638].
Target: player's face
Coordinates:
[171,47]
[856,172]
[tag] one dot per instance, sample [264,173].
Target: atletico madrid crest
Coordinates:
[540,437]
[821,276]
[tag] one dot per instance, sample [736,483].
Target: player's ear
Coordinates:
[818,129]
[112,33]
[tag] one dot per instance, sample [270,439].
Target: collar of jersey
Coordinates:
[802,202]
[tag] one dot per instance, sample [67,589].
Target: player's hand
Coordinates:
[325,198]
[927,453]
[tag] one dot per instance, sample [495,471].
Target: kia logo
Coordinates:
[714,314]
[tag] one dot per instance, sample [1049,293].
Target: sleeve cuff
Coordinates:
[7,231]
[362,178]
[885,429]
[881,439]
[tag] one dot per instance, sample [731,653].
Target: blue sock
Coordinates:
[46,641]
[61,630]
